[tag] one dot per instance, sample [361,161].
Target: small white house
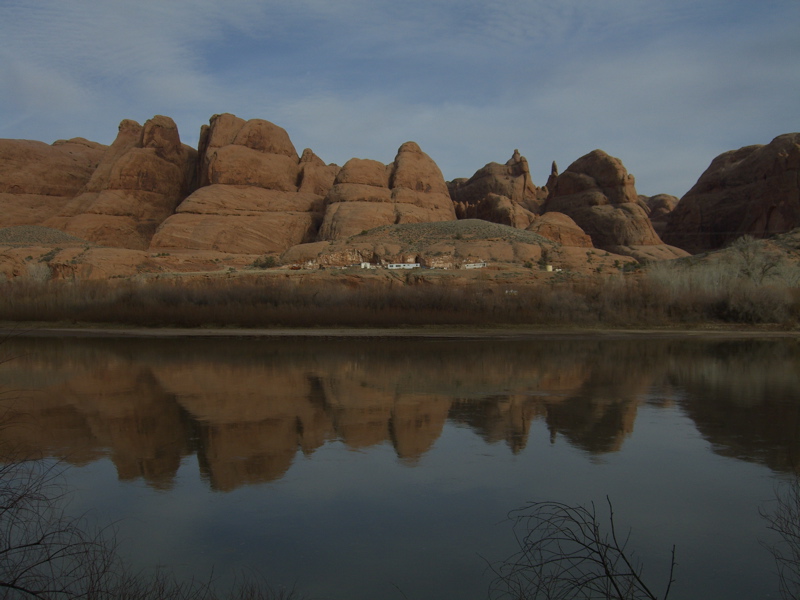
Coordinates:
[366,265]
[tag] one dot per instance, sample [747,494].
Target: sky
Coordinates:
[665,86]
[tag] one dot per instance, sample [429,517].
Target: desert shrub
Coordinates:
[749,303]
[751,260]
[50,255]
[267,262]
[663,293]
[39,271]
[738,290]
[565,305]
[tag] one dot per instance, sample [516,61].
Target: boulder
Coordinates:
[476,197]
[145,175]
[38,180]
[751,191]
[368,194]
[597,192]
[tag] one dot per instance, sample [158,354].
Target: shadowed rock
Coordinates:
[498,193]
[558,227]
[751,191]
[597,192]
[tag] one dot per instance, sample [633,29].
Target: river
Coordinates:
[386,468]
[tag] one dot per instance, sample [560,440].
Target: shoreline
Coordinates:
[442,332]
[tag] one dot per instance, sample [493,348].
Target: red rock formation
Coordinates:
[560,228]
[258,196]
[659,206]
[754,190]
[597,192]
[38,180]
[368,194]
[498,193]
[138,184]
[658,209]
[315,176]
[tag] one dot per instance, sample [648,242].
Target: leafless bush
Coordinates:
[566,553]
[47,553]
[44,552]
[751,260]
[750,303]
[664,294]
[784,519]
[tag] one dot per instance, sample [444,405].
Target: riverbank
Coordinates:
[676,296]
[432,332]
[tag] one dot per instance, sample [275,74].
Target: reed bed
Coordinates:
[662,295]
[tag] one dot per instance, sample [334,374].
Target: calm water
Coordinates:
[385,468]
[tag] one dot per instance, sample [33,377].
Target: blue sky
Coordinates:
[665,86]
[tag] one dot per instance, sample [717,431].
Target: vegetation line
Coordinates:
[662,296]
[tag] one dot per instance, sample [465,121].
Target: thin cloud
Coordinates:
[664,86]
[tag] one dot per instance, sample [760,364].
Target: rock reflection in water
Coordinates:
[246,407]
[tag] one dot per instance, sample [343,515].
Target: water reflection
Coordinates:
[245,407]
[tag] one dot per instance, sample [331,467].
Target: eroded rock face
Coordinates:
[754,190]
[597,192]
[38,180]
[240,219]
[239,152]
[140,180]
[258,196]
[558,227]
[368,194]
[315,176]
[479,197]
[658,209]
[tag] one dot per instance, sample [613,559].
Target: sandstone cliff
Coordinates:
[597,192]
[256,196]
[246,192]
[140,180]
[498,193]
[368,194]
[751,191]
[38,180]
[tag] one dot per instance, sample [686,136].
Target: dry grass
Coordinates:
[672,294]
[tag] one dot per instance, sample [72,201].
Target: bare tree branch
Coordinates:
[564,554]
